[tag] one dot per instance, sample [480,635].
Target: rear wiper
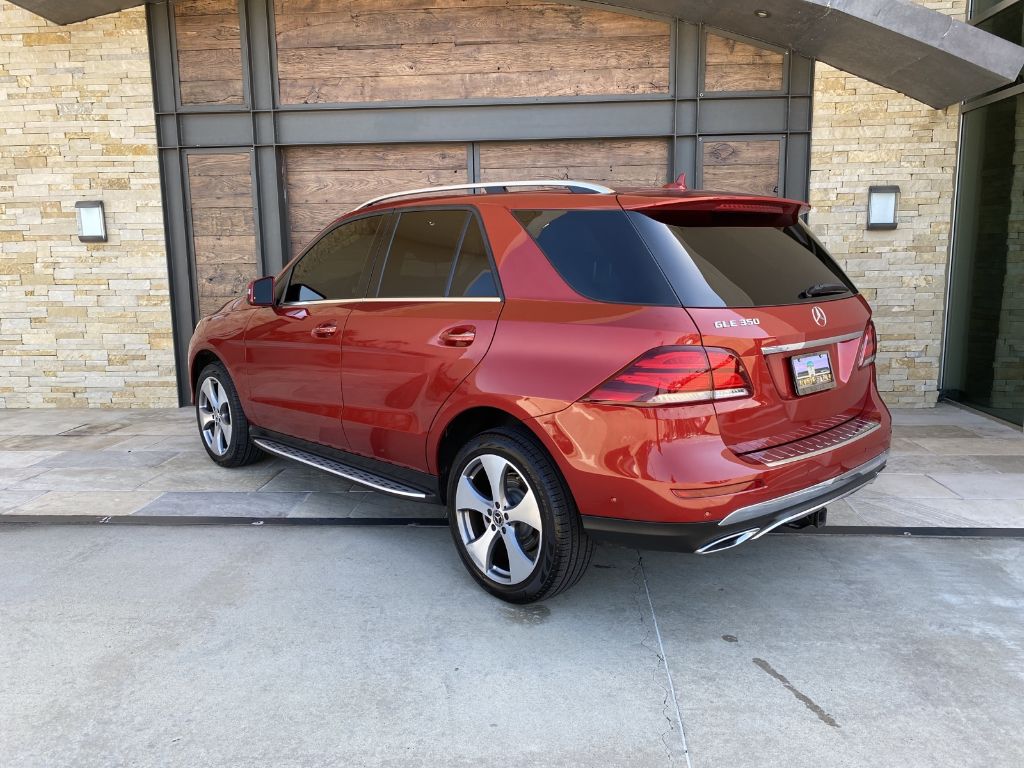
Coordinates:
[824,289]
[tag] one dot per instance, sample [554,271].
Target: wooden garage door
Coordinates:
[613,162]
[324,182]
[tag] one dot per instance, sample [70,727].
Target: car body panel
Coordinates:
[397,371]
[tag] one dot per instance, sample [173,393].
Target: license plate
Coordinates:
[812,373]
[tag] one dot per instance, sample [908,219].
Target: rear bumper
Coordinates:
[743,525]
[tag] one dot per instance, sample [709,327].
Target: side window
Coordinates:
[421,255]
[337,265]
[473,277]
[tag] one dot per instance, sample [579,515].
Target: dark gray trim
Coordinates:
[991,98]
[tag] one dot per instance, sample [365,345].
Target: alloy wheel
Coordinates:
[499,519]
[214,416]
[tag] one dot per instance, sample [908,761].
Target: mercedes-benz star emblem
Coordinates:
[819,316]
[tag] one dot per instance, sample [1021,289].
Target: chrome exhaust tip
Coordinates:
[728,542]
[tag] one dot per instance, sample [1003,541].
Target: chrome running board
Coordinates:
[347,471]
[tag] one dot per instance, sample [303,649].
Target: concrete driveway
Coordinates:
[317,646]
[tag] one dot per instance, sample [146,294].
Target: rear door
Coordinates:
[429,318]
[759,284]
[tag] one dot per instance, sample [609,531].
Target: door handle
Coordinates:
[324,330]
[460,336]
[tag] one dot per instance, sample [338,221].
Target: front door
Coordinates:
[293,350]
[429,318]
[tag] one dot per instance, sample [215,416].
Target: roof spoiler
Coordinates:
[720,207]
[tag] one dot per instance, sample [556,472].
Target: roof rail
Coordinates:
[502,186]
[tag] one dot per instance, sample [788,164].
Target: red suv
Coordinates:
[561,363]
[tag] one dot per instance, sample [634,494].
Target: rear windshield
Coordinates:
[744,266]
[630,258]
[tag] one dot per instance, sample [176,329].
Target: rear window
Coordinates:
[743,266]
[600,255]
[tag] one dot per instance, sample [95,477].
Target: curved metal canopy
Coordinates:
[922,53]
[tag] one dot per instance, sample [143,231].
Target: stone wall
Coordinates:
[80,324]
[867,135]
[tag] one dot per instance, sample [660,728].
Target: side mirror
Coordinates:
[261,292]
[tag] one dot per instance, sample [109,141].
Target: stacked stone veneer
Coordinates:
[865,135]
[80,324]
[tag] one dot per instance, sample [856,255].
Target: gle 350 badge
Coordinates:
[738,323]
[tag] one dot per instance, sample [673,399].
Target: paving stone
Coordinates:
[11,477]
[11,499]
[906,487]
[22,459]
[931,430]
[109,459]
[299,478]
[978,485]
[924,463]
[223,504]
[86,503]
[33,442]
[977,446]
[889,511]
[211,478]
[87,479]
[999,464]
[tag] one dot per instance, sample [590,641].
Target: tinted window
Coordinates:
[473,276]
[421,255]
[600,255]
[743,266]
[336,266]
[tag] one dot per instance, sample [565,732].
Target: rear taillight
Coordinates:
[677,375]
[868,346]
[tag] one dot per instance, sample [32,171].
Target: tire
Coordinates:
[494,524]
[223,428]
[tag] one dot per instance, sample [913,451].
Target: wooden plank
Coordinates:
[754,179]
[204,33]
[574,151]
[218,164]
[464,86]
[205,7]
[377,157]
[221,191]
[617,177]
[221,221]
[225,248]
[212,92]
[734,66]
[196,66]
[458,25]
[286,7]
[343,187]
[752,152]
[626,53]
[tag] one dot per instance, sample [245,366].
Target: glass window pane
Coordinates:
[1007,24]
[744,266]
[336,266]
[984,354]
[421,255]
[473,276]
[600,255]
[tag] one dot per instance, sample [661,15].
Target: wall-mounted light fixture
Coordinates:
[883,207]
[91,226]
